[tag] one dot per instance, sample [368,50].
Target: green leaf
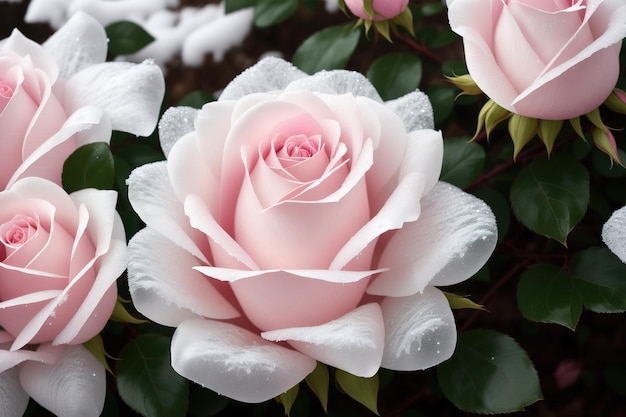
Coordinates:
[442,99]
[122,315]
[272,12]
[196,99]
[463,161]
[288,397]
[489,373]
[96,347]
[601,280]
[327,49]
[395,75]
[318,381]
[458,302]
[550,196]
[234,5]
[146,380]
[547,294]
[90,166]
[363,390]
[126,38]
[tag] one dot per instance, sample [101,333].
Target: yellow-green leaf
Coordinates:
[96,347]
[122,315]
[466,84]
[458,302]
[288,397]
[615,103]
[522,129]
[575,123]
[363,390]
[548,131]
[318,381]
[604,140]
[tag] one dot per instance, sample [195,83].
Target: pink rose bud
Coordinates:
[383,9]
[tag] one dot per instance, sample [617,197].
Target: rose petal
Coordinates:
[419,331]
[335,276]
[175,123]
[235,362]
[75,386]
[337,82]
[13,398]
[415,111]
[45,353]
[268,74]
[424,154]
[40,57]
[170,292]
[81,42]
[130,94]
[453,238]
[614,233]
[353,342]
[152,197]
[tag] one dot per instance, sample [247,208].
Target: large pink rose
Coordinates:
[301,220]
[60,95]
[383,9]
[552,60]
[60,257]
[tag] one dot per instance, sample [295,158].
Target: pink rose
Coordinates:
[552,60]
[60,256]
[301,220]
[383,9]
[60,95]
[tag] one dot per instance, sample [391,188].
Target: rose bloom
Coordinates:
[384,9]
[60,95]
[552,60]
[300,220]
[60,256]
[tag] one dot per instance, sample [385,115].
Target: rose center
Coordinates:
[299,147]
[6,92]
[19,230]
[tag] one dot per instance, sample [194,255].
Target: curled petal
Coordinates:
[353,342]
[453,238]
[614,233]
[235,362]
[45,353]
[75,386]
[420,331]
[13,398]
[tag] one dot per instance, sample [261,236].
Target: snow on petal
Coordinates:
[424,154]
[614,233]
[75,386]
[453,238]
[13,398]
[337,82]
[175,123]
[235,362]
[353,342]
[170,292]
[420,331]
[415,111]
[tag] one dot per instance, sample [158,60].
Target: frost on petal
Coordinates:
[420,331]
[13,398]
[614,233]
[337,82]
[165,287]
[75,386]
[175,123]
[269,74]
[235,362]
[81,42]
[415,111]
[353,342]
[130,94]
[453,238]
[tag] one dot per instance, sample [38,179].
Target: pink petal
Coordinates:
[419,331]
[353,342]
[453,238]
[235,362]
[13,398]
[40,57]
[45,353]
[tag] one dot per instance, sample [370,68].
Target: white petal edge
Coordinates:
[453,238]
[420,331]
[415,111]
[614,233]
[165,287]
[353,342]
[175,123]
[75,386]
[13,398]
[236,362]
[337,82]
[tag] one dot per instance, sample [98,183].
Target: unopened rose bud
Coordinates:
[377,9]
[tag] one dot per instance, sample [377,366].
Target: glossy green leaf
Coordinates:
[547,294]
[318,381]
[234,5]
[442,99]
[146,380]
[363,390]
[463,161]
[489,373]
[196,99]
[90,166]
[272,12]
[330,48]
[601,279]
[395,75]
[550,196]
[127,37]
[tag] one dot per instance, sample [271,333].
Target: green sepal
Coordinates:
[96,347]
[615,103]
[120,314]
[482,115]
[404,20]
[575,123]
[382,27]
[466,84]
[363,390]
[288,397]
[494,116]
[318,381]
[458,302]
[548,130]
[368,8]
[604,140]
[594,117]
[522,129]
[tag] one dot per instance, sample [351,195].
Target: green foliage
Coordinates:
[489,373]
[318,381]
[90,166]
[395,75]
[329,48]
[363,390]
[234,5]
[273,12]
[126,38]
[463,161]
